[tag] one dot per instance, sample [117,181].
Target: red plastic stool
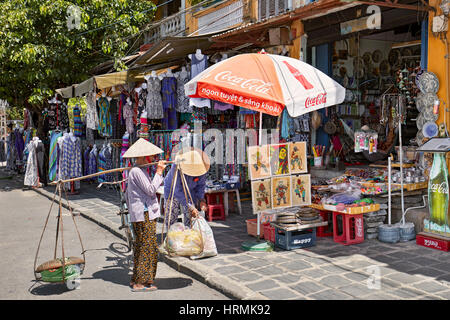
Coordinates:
[352,228]
[216,212]
[214,198]
[326,231]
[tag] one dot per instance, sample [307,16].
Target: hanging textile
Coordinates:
[198,66]
[53,155]
[2,150]
[42,161]
[91,111]
[101,164]
[154,100]
[77,123]
[19,146]
[285,125]
[11,152]
[128,116]
[92,164]
[86,160]
[182,99]
[71,157]
[143,132]
[31,178]
[108,155]
[169,101]
[104,127]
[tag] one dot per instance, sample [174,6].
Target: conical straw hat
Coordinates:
[193,162]
[142,148]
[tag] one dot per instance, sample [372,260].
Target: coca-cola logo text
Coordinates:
[256,85]
[439,188]
[321,98]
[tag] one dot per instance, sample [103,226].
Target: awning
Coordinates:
[174,48]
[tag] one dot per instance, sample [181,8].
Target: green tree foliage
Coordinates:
[45,45]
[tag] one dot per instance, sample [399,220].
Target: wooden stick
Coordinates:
[107,172]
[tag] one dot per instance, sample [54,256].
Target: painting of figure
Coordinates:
[281,192]
[301,189]
[258,162]
[298,162]
[279,159]
[261,195]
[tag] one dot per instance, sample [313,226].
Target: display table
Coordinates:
[160,195]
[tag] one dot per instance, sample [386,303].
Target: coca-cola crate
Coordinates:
[434,242]
[269,232]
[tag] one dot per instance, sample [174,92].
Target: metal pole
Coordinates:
[401,168]
[389,190]
[260,143]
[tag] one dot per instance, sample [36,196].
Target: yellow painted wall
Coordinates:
[437,64]
[294,51]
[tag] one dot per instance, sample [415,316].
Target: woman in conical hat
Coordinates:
[194,164]
[143,208]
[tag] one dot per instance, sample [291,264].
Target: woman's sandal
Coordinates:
[144,289]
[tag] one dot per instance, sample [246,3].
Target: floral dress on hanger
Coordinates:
[154,99]
[182,99]
[104,127]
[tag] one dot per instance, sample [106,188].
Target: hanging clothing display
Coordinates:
[143,132]
[92,166]
[101,165]
[108,154]
[53,155]
[86,153]
[10,152]
[78,124]
[2,150]
[91,111]
[128,116]
[71,166]
[169,102]
[223,106]
[154,100]
[104,127]
[198,66]
[31,178]
[19,146]
[182,100]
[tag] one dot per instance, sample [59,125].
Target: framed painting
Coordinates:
[281,192]
[301,189]
[261,195]
[297,154]
[258,162]
[279,159]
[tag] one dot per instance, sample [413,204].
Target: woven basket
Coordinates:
[57,263]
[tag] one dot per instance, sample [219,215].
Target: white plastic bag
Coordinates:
[209,245]
[182,241]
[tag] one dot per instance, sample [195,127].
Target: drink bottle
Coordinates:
[438,190]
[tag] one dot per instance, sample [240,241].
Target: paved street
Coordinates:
[107,272]
[370,270]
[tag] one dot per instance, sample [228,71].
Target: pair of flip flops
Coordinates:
[144,289]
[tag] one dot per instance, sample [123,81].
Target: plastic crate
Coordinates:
[289,240]
[252,228]
[326,231]
[269,233]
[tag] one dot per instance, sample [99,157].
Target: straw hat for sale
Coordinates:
[142,148]
[193,162]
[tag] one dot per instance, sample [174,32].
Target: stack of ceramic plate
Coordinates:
[286,219]
[307,216]
[428,84]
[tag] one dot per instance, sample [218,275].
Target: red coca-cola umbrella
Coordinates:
[267,83]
